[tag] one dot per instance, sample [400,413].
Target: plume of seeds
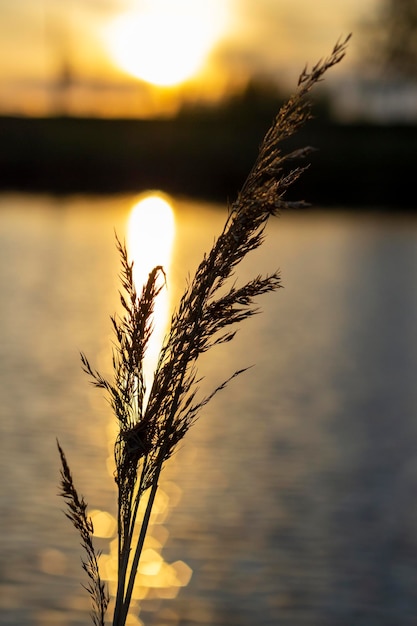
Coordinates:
[208,307]
[208,313]
[77,514]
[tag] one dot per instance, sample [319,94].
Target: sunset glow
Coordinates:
[166,43]
[148,58]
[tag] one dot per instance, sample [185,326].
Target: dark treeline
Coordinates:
[207,153]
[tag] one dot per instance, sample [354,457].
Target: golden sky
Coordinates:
[145,57]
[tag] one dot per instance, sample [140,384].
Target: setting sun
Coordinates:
[165,43]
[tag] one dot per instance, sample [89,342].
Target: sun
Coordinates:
[164,42]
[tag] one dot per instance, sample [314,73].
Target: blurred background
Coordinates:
[293,500]
[119,95]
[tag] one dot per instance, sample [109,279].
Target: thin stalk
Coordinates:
[146,518]
[124,553]
[139,547]
[123,557]
[121,578]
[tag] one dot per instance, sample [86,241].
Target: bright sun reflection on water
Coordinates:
[150,236]
[155,578]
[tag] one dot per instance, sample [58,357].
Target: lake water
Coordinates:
[293,500]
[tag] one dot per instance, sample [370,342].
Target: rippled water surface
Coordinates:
[293,500]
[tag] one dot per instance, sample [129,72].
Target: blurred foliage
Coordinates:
[391,38]
[257,103]
[206,152]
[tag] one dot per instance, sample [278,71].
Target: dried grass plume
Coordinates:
[208,314]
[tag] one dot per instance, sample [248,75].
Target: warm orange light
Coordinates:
[150,236]
[164,42]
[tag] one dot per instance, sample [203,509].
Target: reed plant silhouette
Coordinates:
[152,424]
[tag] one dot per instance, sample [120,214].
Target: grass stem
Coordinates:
[207,315]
